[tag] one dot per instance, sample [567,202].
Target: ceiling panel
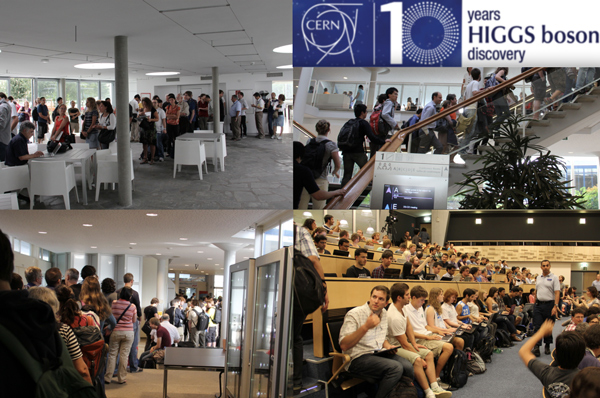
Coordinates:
[179,4]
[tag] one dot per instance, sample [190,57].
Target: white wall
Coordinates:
[149,281]
[23,262]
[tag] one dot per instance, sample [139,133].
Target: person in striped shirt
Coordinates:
[576,319]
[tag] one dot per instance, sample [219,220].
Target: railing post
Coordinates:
[524,111]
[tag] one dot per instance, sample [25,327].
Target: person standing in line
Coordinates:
[234,113]
[243,127]
[193,105]
[43,120]
[221,106]
[134,298]
[270,109]
[429,139]
[172,115]
[258,106]
[91,118]
[74,118]
[202,112]
[184,115]
[161,129]
[547,287]
[135,106]
[5,119]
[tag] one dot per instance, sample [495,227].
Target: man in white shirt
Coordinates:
[164,322]
[596,283]
[363,332]
[243,127]
[161,129]
[400,332]
[429,336]
[258,106]
[135,106]
[473,88]
[429,139]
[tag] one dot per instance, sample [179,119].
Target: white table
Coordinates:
[206,136]
[76,155]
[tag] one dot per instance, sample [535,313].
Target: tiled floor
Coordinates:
[258,175]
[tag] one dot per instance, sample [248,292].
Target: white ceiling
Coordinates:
[112,232]
[162,35]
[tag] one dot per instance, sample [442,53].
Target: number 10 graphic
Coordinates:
[395,10]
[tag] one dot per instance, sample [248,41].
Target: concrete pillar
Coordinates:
[302,97]
[439,225]
[228,261]
[122,103]
[215,100]
[162,287]
[62,91]
[176,282]
[371,97]
[258,241]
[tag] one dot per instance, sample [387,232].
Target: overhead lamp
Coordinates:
[163,73]
[45,61]
[345,78]
[158,254]
[96,65]
[187,265]
[370,230]
[133,244]
[42,232]
[183,238]
[427,219]
[285,67]
[343,223]
[530,221]
[210,258]
[478,221]
[93,247]
[199,251]
[87,225]
[152,214]
[582,221]
[287,49]
[307,214]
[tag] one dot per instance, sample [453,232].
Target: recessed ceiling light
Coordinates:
[45,61]
[87,225]
[187,265]
[42,232]
[221,268]
[478,221]
[199,251]
[209,258]
[345,78]
[582,221]
[133,243]
[570,152]
[93,247]
[158,254]
[170,269]
[287,49]
[96,65]
[162,73]
[285,67]
[530,221]
[152,214]
[183,238]
[246,258]
[307,214]
[216,264]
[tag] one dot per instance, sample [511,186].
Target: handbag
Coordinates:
[107,136]
[108,332]
[146,328]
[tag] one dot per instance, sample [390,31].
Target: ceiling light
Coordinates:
[87,225]
[216,265]
[199,251]
[79,257]
[93,247]
[183,238]
[530,221]
[246,258]
[96,65]
[187,265]
[158,254]
[478,221]
[287,49]
[285,67]
[427,219]
[45,61]
[42,232]
[345,78]
[170,269]
[209,258]
[370,230]
[162,73]
[582,221]
[221,268]
[133,244]
[344,222]
[152,214]
[307,214]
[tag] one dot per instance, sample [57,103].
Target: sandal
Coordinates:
[144,161]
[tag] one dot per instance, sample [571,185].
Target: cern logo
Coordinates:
[330,30]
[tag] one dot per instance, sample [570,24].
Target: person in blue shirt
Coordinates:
[360,95]
[187,96]
[234,113]
[43,120]
[17,153]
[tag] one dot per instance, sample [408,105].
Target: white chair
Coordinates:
[113,147]
[9,201]
[13,178]
[221,152]
[108,169]
[189,152]
[52,178]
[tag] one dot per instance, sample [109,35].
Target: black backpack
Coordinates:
[313,156]
[34,114]
[455,370]
[349,136]
[202,322]
[503,339]
[309,293]
[404,389]
[475,363]
[485,348]
[217,317]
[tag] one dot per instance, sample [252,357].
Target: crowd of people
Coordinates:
[480,322]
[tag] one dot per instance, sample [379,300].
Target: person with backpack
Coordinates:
[374,121]
[149,312]
[351,140]
[197,323]
[176,317]
[211,334]
[318,153]
[429,139]
[122,337]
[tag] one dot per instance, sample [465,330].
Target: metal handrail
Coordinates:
[360,181]
[304,130]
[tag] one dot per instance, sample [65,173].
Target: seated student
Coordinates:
[330,224]
[593,319]
[450,269]
[360,258]
[501,319]
[444,260]
[354,240]
[386,245]
[476,275]
[586,384]
[463,310]
[344,234]
[427,335]
[343,244]
[464,274]
[435,270]
[17,153]
[163,339]
[386,260]
[532,294]
[402,249]
[376,237]
[414,267]
[435,315]
[505,309]
[589,299]
[514,298]
[401,333]
[592,344]
[576,319]
[570,349]
[319,231]
[364,331]
[321,244]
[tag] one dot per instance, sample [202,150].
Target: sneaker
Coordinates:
[443,385]
[278,137]
[161,159]
[273,137]
[429,394]
[441,393]
[497,350]
[138,370]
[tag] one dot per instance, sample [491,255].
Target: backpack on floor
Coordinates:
[404,389]
[503,339]
[185,344]
[455,370]
[148,363]
[309,293]
[485,348]
[530,328]
[314,152]
[349,135]
[475,363]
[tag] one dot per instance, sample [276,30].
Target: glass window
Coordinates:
[17,245]
[184,276]
[4,86]
[25,248]
[287,233]
[49,90]
[21,90]
[44,254]
[271,240]
[218,281]
[88,89]
[106,90]
[72,92]
[339,88]
[171,275]
[284,87]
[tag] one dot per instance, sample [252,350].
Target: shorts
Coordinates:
[539,89]
[148,137]
[92,140]
[558,80]
[74,127]
[412,356]
[42,130]
[211,335]
[435,346]
[279,121]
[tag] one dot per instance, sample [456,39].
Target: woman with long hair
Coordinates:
[451,319]
[435,317]
[148,133]
[61,125]
[310,224]
[107,119]
[65,331]
[92,299]
[90,119]
[173,112]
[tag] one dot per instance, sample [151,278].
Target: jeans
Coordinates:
[160,153]
[360,158]
[470,134]
[297,351]
[243,126]
[270,123]
[173,133]
[3,152]
[427,140]
[541,312]
[584,76]
[120,344]
[202,123]
[387,371]
[133,354]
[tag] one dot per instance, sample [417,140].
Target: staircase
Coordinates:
[555,126]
